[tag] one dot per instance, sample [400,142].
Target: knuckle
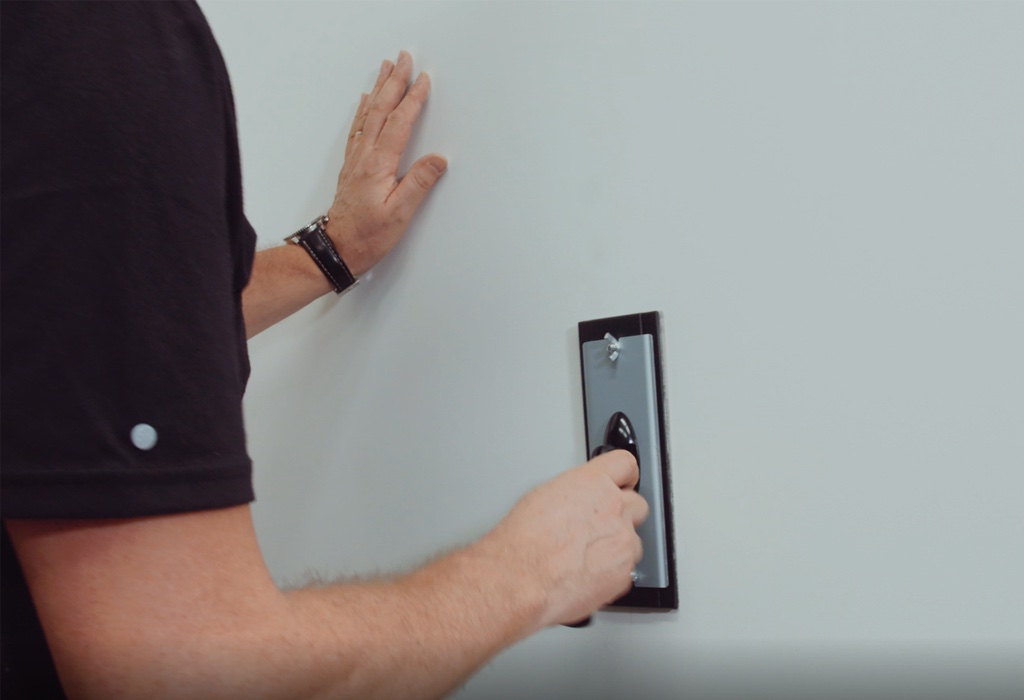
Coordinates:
[643,508]
[627,584]
[422,179]
[618,504]
[416,98]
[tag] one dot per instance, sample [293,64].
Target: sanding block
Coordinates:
[624,408]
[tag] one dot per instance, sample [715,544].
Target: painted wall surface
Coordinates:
[826,201]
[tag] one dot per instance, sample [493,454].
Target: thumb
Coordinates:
[417,182]
[620,466]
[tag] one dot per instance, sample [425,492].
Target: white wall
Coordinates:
[825,200]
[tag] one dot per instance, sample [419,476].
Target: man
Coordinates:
[129,287]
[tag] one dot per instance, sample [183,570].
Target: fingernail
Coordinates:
[384,68]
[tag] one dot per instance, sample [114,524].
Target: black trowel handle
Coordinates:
[585,622]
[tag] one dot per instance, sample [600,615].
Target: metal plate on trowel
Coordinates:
[620,359]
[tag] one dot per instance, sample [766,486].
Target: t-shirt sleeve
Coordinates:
[124,253]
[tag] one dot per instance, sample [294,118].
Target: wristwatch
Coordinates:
[314,239]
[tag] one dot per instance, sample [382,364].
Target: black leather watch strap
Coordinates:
[314,239]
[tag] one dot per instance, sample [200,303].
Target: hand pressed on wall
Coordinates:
[373,205]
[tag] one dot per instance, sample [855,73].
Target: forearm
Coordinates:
[420,635]
[284,279]
[182,606]
[131,611]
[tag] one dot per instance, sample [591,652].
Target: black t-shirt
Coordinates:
[124,251]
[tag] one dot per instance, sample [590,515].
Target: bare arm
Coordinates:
[372,206]
[183,606]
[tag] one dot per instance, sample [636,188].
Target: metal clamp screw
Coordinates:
[613,346]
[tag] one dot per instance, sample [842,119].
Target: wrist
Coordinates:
[509,582]
[502,604]
[315,240]
[357,256]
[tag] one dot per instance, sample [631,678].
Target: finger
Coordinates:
[620,465]
[398,126]
[359,121]
[638,550]
[388,96]
[357,124]
[635,507]
[415,185]
[386,68]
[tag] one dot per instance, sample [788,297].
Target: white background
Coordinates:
[826,201]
